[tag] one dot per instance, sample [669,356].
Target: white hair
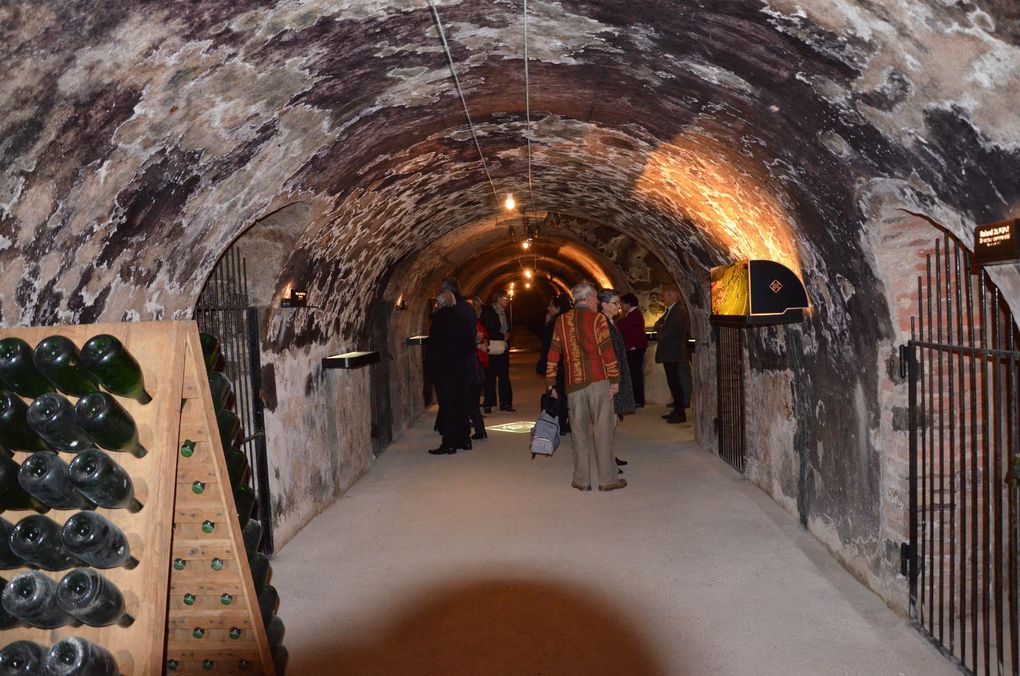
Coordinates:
[445,299]
[582,290]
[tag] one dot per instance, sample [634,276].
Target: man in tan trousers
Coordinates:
[582,337]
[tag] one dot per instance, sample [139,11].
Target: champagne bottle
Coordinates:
[222,392]
[280,658]
[103,481]
[260,570]
[90,598]
[76,656]
[44,476]
[252,535]
[108,423]
[275,632]
[32,598]
[114,367]
[211,353]
[95,540]
[7,621]
[14,430]
[22,658]
[12,495]
[237,469]
[8,559]
[230,429]
[59,360]
[269,602]
[244,499]
[52,418]
[36,539]
[18,370]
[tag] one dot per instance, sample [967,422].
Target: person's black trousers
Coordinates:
[475,391]
[678,377]
[636,362]
[452,421]
[499,369]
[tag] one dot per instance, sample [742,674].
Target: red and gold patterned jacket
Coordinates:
[582,337]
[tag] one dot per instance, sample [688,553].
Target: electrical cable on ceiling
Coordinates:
[460,92]
[527,105]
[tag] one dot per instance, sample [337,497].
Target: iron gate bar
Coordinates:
[964,358]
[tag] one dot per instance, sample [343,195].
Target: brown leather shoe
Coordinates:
[613,486]
[580,487]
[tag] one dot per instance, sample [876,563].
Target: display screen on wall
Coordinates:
[997,242]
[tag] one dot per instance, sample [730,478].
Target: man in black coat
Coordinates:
[671,352]
[451,341]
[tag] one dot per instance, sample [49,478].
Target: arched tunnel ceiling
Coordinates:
[138,141]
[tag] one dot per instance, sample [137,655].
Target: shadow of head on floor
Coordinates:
[492,626]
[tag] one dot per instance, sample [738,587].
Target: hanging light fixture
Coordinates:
[510,203]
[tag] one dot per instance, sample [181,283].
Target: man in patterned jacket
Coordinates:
[592,379]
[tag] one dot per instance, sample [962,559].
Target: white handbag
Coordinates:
[497,347]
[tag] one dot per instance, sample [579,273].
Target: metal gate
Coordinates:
[962,366]
[729,344]
[223,311]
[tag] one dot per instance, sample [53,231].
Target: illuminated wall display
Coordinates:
[350,360]
[756,293]
[997,242]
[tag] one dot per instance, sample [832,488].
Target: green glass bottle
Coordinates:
[269,602]
[74,656]
[12,495]
[280,659]
[8,559]
[244,499]
[7,621]
[14,430]
[237,469]
[108,423]
[32,598]
[92,599]
[222,392]
[51,416]
[36,539]
[18,370]
[44,476]
[114,367]
[22,658]
[59,360]
[261,570]
[234,633]
[211,353]
[252,536]
[230,429]
[275,632]
[100,479]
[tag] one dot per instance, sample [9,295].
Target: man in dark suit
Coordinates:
[446,358]
[671,352]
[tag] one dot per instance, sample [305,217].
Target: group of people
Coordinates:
[593,352]
[468,353]
[592,357]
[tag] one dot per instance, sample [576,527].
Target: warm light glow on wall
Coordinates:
[718,189]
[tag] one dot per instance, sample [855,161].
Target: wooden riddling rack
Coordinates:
[169,526]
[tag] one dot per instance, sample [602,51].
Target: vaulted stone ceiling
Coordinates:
[140,139]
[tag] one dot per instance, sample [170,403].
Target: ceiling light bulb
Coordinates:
[528,273]
[510,204]
[526,244]
[527,285]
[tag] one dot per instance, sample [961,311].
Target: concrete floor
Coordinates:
[488,562]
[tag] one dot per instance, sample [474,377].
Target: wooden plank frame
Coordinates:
[169,524]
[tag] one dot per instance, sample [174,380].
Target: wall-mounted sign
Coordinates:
[756,293]
[997,242]
[295,299]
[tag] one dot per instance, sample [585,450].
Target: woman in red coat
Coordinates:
[631,324]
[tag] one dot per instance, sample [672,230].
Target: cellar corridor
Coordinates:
[487,562]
